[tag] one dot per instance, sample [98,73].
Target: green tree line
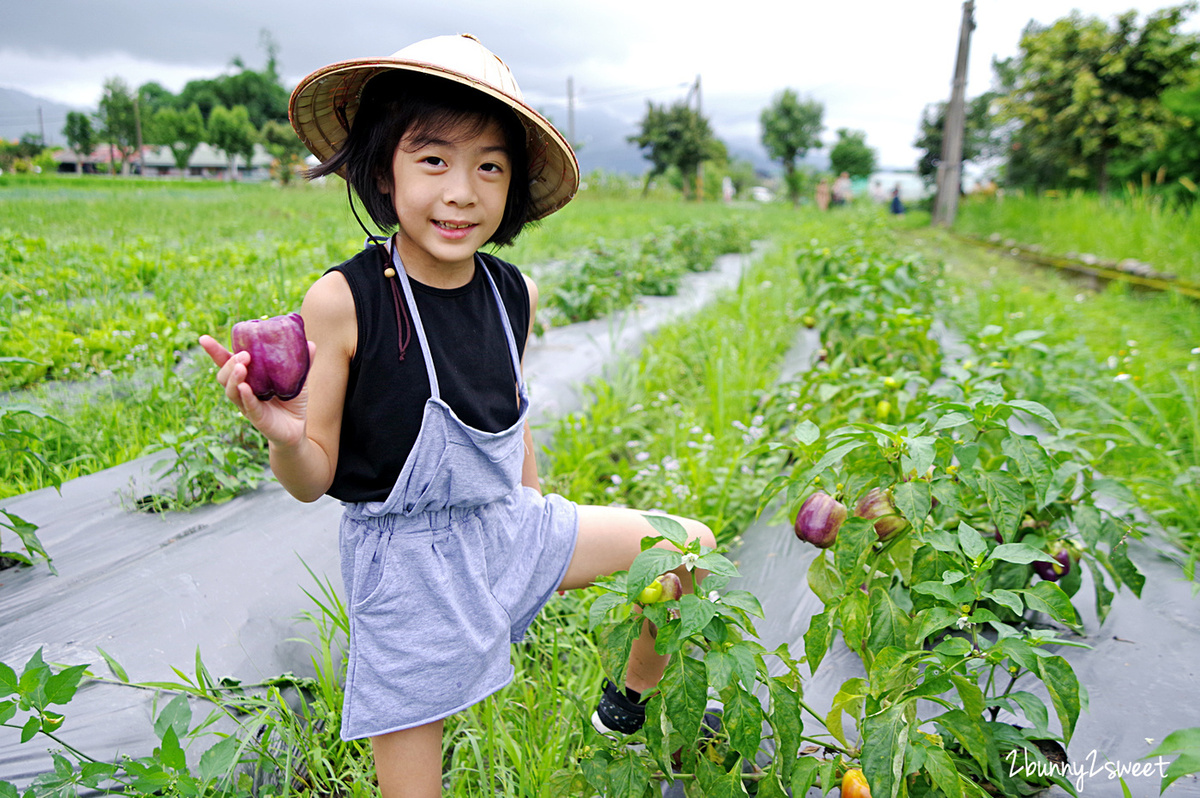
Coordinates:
[1088,103]
[231,112]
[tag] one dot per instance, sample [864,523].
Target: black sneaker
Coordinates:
[620,712]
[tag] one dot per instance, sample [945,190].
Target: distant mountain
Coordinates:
[22,113]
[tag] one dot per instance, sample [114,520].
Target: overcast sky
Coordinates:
[874,65]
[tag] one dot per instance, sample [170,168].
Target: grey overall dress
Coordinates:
[450,569]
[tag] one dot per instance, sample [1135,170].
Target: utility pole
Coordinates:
[41,128]
[137,123]
[571,111]
[949,173]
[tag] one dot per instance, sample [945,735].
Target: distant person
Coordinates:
[842,193]
[878,192]
[897,204]
[727,189]
[415,414]
[823,194]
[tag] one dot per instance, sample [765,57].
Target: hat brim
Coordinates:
[324,104]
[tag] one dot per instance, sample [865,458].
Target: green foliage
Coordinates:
[942,609]
[676,136]
[81,137]
[231,130]
[209,466]
[980,134]
[118,120]
[259,91]
[288,741]
[609,274]
[1185,743]
[851,154]
[1087,95]
[1143,225]
[1121,364]
[279,139]
[674,430]
[180,130]
[1180,153]
[790,128]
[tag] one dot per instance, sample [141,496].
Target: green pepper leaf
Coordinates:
[742,719]
[818,637]
[970,541]
[1049,598]
[628,776]
[1005,498]
[668,527]
[648,566]
[1020,553]
[885,740]
[218,761]
[889,624]
[787,725]
[1129,573]
[1063,686]
[684,686]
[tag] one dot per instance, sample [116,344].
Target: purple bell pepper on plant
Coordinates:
[877,504]
[819,520]
[278,355]
[1053,571]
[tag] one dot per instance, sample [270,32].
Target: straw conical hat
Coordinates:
[324,104]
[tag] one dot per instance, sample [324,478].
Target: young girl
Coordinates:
[415,412]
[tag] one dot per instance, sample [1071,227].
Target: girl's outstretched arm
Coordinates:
[303,432]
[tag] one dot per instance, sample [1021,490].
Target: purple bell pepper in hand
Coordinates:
[278,355]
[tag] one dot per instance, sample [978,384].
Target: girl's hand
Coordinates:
[283,422]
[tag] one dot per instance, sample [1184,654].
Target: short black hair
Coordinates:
[397,103]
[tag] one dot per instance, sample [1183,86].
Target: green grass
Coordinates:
[1139,226]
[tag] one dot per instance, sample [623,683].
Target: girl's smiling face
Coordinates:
[449,194]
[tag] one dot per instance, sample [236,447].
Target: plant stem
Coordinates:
[66,746]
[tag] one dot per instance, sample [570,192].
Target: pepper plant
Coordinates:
[959,489]
[705,721]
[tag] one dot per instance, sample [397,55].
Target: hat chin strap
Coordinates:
[403,324]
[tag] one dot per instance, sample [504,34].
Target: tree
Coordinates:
[980,135]
[80,135]
[1086,95]
[230,130]
[790,128]
[676,136]
[1180,157]
[180,131]
[285,146]
[263,96]
[153,97]
[118,121]
[851,154]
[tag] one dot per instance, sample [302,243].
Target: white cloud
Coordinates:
[79,81]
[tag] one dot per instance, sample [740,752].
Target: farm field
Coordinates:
[106,287]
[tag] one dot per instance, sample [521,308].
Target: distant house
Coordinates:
[206,162]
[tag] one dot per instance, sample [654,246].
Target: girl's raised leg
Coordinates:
[408,763]
[609,540]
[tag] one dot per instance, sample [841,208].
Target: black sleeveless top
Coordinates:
[385,396]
